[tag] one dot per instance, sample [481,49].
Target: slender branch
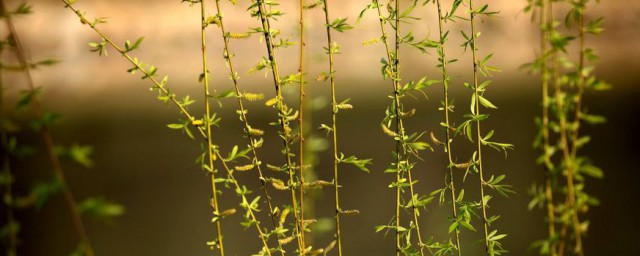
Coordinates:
[478,129]
[578,112]
[581,84]
[574,138]
[157,84]
[401,151]
[567,158]
[266,27]
[208,124]
[570,201]
[137,65]
[334,128]
[301,122]
[183,110]
[49,143]
[398,113]
[545,25]
[555,76]
[399,125]
[445,81]
[243,114]
[398,128]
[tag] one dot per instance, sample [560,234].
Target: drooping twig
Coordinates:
[208,123]
[249,131]
[282,115]
[447,109]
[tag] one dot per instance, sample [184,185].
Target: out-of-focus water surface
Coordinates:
[150,169]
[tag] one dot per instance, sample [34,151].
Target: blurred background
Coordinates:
[150,169]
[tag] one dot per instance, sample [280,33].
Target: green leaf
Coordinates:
[595,27]
[340,25]
[81,154]
[176,126]
[45,62]
[380,228]
[486,103]
[291,79]
[497,237]
[326,128]
[225,94]
[592,171]
[593,119]
[360,163]
[467,225]
[453,226]
[419,145]
[100,48]
[128,47]
[100,208]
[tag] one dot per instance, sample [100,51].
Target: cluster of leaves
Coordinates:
[464,211]
[475,117]
[408,145]
[339,25]
[255,141]
[564,83]
[462,216]
[28,117]
[189,123]
[266,11]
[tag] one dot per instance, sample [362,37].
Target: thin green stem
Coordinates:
[570,202]
[301,122]
[574,150]
[567,157]
[334,127]
[137,65]
[544,37]
[478,128]
[555,76]
[207,123]
[445,82]
[243,114]
[398,114]
[581,84]
[574,136]
[50,145]
[266,27]
[401,152]
[398,128]
[160,85]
